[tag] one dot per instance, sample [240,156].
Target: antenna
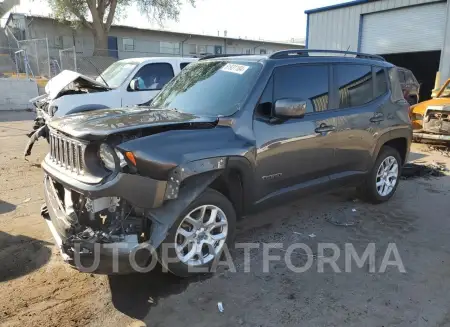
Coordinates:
[347,50]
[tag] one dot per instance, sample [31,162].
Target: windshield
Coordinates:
[210,88]
[117,73]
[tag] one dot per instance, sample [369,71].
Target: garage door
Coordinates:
[412,29]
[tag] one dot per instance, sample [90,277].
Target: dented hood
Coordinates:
[60,81]
[97,124]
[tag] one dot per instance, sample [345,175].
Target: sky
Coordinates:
[278,20]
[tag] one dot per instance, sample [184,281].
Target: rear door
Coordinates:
[360,115]
[292,154]
[151,79]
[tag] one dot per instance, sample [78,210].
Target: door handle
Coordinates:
[377,117]
[324,128]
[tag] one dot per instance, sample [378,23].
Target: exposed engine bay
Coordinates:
[102,220]
[437,121]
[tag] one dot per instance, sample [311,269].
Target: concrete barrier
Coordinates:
[16,93]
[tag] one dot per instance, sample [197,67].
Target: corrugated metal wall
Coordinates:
[339,28]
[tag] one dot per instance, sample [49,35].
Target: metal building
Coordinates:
[411,33]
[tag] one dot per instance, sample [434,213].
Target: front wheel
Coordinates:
[199,235]
[381,183]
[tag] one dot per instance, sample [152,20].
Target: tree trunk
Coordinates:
[100,42]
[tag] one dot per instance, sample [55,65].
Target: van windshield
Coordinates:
[210,88]
[117,73]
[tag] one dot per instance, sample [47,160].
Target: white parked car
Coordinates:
[125,83]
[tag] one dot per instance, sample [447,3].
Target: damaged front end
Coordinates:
[105,217]
[46,105]
[434,125]
[90,231]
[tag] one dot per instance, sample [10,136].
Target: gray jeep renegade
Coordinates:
[226,137]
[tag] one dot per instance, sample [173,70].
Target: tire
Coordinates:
[210,199]
[369,190]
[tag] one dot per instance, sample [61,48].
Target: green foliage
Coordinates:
[98,15]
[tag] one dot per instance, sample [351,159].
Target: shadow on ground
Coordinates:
[6,207]
[20,255]
[135,294]
[416,156]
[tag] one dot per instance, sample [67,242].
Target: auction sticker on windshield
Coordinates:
[235,68]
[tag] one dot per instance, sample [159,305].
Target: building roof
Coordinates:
[337,6]
[185,34]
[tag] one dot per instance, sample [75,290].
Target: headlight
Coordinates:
[107,155]
[416,116]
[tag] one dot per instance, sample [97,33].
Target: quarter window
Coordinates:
[184,64]
[154,76]
[355,85]
[307,83]
[381,86]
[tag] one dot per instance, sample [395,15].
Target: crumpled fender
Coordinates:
[165,216]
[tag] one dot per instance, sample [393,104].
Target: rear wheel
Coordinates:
[381,183]
[199,235]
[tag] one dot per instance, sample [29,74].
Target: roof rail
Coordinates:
[305,52]
[220,56]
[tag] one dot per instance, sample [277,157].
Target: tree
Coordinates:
[103,12]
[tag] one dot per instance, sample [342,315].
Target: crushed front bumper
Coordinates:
[142,192]
[89,255]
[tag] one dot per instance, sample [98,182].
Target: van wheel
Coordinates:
[381,183]
[199,235]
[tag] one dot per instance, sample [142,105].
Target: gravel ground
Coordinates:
[38,289]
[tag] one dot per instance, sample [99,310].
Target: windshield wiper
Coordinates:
[98,72]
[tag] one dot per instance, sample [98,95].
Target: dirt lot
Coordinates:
[39,290]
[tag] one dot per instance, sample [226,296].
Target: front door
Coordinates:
[297,153]
[150,80]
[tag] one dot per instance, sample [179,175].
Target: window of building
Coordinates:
[172,48]
[381,86]
[307,83]
[190,48]
[262,51]
[128,44]
[154,76]
[247,51]
[355,84]
[201,49]
[58,41]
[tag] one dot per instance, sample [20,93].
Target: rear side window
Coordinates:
[410,79]
[381,86]
[154,76]
[396,89]
[355,85]
[401,76]
[308,83]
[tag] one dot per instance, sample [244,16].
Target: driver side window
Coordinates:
[153,77]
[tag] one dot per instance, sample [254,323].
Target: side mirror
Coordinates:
[289,108]
[134,85]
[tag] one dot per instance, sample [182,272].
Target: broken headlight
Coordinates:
[108,157]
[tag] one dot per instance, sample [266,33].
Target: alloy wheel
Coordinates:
[201,235]
[387,176]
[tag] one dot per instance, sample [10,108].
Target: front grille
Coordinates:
[67,153]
